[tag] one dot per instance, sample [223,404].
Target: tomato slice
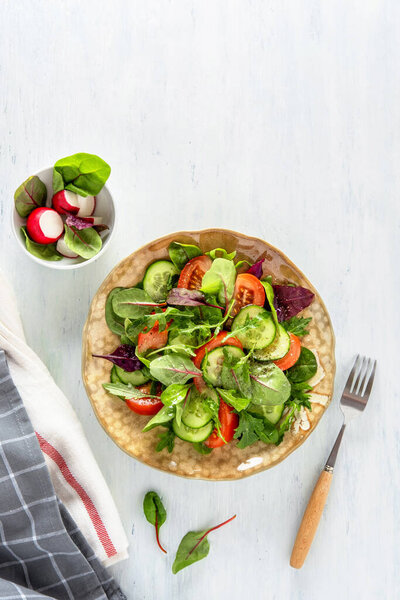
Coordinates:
[193,272]
[292,355]
[229,422]
[153,339]
[215,342]
[146,406]
[248,290]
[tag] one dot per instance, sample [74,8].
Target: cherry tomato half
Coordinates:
[153,339]
[146,406]
[193,272]
[248,290]
[292,355]
[229,422]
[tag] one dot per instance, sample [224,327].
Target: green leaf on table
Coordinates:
[220,280]
[305,367]
[173,368]
[166,414]
[82,173]
[85,242]
[180,254]
[297,325]
[30,195]
[194,547]
[155,513]
[114,322]
[43,251]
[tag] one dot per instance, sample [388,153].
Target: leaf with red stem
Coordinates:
[194,546]
[155,513]
[124,356]
[184,297]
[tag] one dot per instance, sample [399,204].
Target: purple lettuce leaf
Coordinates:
[124,356]
[256,269]
[184,297]
[78,222]
[290,300]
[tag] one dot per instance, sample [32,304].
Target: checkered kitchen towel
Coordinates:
[42,552]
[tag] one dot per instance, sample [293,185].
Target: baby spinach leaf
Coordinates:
[30,195]
[297,325]
[269,292]
[126,391]
[124,356]
[82,173]
[167,440]
[180,254]
[43,251]
[221,253]
[193,547]
[201,448]
[173,368]
[174,394]
[305,368]
[133,303]
[155,513]
[164,415]
[220,280]
[87,242]
[233,398]
[114,322]
[270,386]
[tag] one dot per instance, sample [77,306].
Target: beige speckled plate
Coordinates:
[124,426]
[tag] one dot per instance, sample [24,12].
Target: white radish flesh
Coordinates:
[87,206]
[66,202]
[44,225]
[63,249]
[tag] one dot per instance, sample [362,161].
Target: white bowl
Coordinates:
[104,208]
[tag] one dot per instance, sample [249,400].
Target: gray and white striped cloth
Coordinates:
[42,552]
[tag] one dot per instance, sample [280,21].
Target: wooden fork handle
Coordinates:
[311,519]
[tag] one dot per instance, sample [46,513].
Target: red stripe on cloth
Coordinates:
[98,524]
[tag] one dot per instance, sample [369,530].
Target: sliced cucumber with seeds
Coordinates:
[213,362]
[270,413]
[157,280]
[254,327]
[279,347]
[196,413]
[192,435]
[135,377]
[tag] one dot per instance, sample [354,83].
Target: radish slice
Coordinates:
[44,225]
[66,202]
[63,249]
[87,205]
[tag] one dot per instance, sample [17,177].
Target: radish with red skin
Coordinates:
[66,202]
[63,249]
[87,206]
[44,225]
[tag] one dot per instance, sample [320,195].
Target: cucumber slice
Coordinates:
[114,376]
[196,413]
[279,347]
[135,377]
[192,435]
[214,360]
[157,279]
[256,336]
[270,413]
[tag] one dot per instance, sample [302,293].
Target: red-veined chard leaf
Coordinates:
[290,300]
[173,368]
[30,195]
[124,356]
[184,297]
[257,269]
[155,513]
[86,242]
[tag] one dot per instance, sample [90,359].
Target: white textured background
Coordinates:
[277,118]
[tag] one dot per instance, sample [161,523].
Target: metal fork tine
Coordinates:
[366,377]
[368,388]
[350,379]
[360,377]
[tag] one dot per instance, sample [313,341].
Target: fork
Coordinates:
[353,401]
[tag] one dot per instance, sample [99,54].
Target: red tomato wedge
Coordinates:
[292,355]
[193,272]
[215,342]
[153,339]
[248,290]
[146,406]
[229,422]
